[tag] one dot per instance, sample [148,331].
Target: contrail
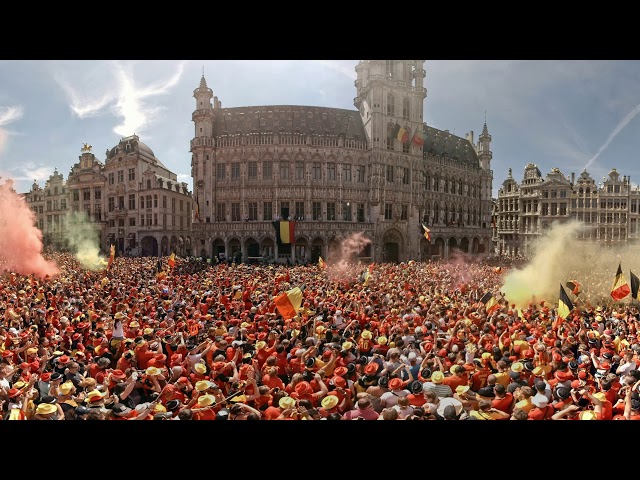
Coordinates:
[625,121]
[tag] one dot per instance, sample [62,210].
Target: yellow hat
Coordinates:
[366,335]
[347,345]
[329,402]
[201,368]
[244,325]
[600,396]
[66,387]
[95,395]
[588,415]
[287,402]
[437,377]
[118,315]
[460,389]
[486,355]
[148,331]
[45,409]
[206,400]
[260,344]
[320,328]
[159,408]
[517,367]
[202,385]
[152,371]
[134,324]
[392,344]
[32,351]
[382,340]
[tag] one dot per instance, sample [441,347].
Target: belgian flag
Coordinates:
[564,304]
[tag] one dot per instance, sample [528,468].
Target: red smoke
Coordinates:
[20,239]
[342,256]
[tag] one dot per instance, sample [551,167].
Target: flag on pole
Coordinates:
[574,287]
[635,282]
[403,135]
[427,232]
[321,263]
[288,303]
[285,231]
[419,137]
[564,304]
[490,303]
[172,260]
[396,130]
[112,255]
[620,288]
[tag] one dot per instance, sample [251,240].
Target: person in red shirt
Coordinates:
[543,409]
[503,400]
[459,377]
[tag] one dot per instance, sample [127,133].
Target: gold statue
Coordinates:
[86,147]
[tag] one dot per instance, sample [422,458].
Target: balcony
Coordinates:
[306,227]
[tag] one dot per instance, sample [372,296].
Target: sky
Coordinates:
[573,115]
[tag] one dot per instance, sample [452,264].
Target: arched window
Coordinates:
[390,104]
[446,185]
[436,183]
[436,213]
[390,137]
[148,183]
[427,181]
[406,112]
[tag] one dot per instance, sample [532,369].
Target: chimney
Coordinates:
[573,178]
[471,137]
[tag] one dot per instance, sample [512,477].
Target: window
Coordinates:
[545,209]
[75,195]
[404,213]
[149,219]
[331,171]
[132,221]
[406,146]
[563,209]
[405,176]
[267,170]
[360,169]
[120,176]
[63,204]
[299,215]
[253,170]
[111,178]
[299,170]
[554,193]
[390,138]
[173,204]
[220,172]
[111,202]
[360,212]
[181,206]
[346,172]
[388,211]
[112,223]
[132,174]
[284,170]
[142,203]
[132,201]
[48,205]
[148,184]
[317,171]
[427,181]
[390,104]
[149,202]
[284,210]
[346,212]
[253,211]
[331,211]
[97,193]
[554,209]
[164,201]
[405,109]
[235,171]
[267,209]
[316,210]
[155,201]
[121,202]
[390,173]
[86,194]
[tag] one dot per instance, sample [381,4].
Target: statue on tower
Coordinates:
[86,148]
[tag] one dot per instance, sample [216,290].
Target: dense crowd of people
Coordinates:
[205,341]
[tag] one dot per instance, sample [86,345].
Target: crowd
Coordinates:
[410,341]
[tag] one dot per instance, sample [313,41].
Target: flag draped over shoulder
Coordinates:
[564,304]
[112,255]
[620,287]
[427,232]
[288,303]
[321,263]
[635,283]
[490,303]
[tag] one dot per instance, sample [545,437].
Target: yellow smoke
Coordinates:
[83,236]
[559,256]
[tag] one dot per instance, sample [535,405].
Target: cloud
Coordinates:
[343,67]
[7,116]
[32,172]
[121,94]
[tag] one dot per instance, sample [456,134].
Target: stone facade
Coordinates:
[523,212]
[337,173]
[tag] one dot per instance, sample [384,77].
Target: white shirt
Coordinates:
[390,399]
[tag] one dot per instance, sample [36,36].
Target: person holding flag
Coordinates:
[564,304]
[427,233]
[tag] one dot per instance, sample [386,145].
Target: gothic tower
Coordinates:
[202,150]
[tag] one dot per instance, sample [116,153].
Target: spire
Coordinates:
[203,82]
[485,131]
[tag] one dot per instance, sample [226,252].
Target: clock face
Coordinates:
[200,184]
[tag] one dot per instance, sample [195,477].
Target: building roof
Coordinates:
[136,144]
[441,142]
[290,119]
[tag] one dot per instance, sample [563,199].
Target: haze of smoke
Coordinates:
[560,257]
[342,258]
[20,239]
[84,240]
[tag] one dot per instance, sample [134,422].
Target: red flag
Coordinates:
[172,260]
[288,303]
[620,287]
